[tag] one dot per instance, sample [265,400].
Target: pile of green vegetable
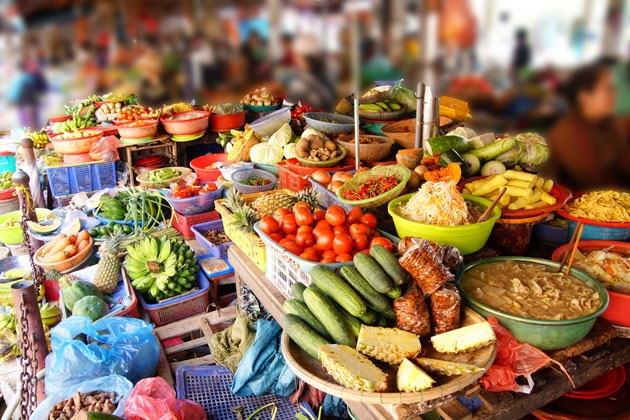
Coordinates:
[163,174]
[145,208]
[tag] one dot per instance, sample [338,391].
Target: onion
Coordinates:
[336,185]
[361,169]
[321,176]
[342,176]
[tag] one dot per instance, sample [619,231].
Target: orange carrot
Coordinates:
[46,248]
[73,238]
[70,250]
[53,258]
[82,245]
[83,235]
[59,246]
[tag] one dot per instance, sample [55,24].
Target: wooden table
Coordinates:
[160,142]
[551,383]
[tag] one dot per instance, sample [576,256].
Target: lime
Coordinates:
[102,230]
[111,225]
[127,229]
[93,232]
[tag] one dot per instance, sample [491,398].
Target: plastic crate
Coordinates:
[210,387]
[217,251]
[195,205]
[184,224]
[215,277]
[290,180]
[180,307]
[86,177]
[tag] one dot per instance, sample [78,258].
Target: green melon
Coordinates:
[91,306]
[77,290]
[44,229]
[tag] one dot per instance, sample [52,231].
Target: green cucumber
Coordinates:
[354,325]
[382,321]
[438,145]
[492,167]
[370,317]
[372,272]
[395,293]
[374,299]
[297,290]
[303,335]
[482,140]
[473,163]
[389,314]
[493,150]
[295,307]
[389,263]
[338,290]
[326,312]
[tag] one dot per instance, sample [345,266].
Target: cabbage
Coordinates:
[512,156]
[281,137]
[404,96]
[535,150]
[266,153]
[290,151]
[469,133]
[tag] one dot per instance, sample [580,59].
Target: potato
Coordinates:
[316,142]
[547,186]
[330,145]
[536,205]
[303,145]
[539,182]
[414,181]
[518,191]
[546,197]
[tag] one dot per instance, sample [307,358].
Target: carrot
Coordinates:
[82,245]
[59,246]
[73,238]
[53,258]
[46,248]
[436,160]
[83,235]
[70,250]
[427,161]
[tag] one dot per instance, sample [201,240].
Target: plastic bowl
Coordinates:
[326,163]
[345,124]
[618,311]
[543,334]
[466,238]
[13,235]
[383,115]
[201,163]
[227,122]
[270,123]
[10,263]
[60,119]
[367,152]
[128,131]
[263,108]
[73,146]
[551,235]
[228,170]
[195,122]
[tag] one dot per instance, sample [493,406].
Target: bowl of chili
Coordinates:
[374,187]
[248,181]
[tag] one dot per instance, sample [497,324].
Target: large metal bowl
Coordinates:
[342,124]
[10,263]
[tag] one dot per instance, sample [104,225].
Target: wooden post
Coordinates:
[31,162]
[20,179]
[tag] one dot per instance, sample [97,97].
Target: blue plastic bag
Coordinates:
[116,346]
[114,383]
[262,369]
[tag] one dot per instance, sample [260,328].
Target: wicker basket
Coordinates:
[75,261]
[367,152]
[244,174]
[404,131]
[144,180]
[402,173]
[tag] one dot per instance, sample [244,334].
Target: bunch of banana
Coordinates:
[77,121]
[386,105]
[8,321]
[6,299]
[40,139]
[50,314]
[112,208]
[161,268]
[8,345]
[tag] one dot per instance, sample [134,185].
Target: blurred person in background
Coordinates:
[309,83]
[522,56]
[256,52]
[26,90]
[621,74]
[151,69]
[590,147]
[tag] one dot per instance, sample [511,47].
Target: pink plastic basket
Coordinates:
[184,224]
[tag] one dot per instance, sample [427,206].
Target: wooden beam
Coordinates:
[187,345]
[454,411]
[199,361]
[163,369]
[188,325]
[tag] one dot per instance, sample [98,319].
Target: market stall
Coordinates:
[381,262]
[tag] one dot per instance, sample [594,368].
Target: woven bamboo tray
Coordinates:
[144,181]
[402,173]
[310,371]
[404,131]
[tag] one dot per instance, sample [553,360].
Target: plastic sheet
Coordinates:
[154,399]
[106,148]
[411,312]
[445,306]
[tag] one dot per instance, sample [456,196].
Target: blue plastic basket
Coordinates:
[7,161]
[217,251]
[598,233]
[210,387]
[245,174]
[194,205]
[86,177]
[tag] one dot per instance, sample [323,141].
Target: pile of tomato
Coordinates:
[134,113]
[331,236]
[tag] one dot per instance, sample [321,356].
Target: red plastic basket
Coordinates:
[183,224]
[8,194]
[290,180]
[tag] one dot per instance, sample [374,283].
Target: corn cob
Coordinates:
[352,369]
[390,345]
[410,378]
[446,367]
[464,339]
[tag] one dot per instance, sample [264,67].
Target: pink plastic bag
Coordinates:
[105,149]
[513,359]
[153,399]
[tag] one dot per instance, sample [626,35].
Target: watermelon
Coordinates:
[92,307]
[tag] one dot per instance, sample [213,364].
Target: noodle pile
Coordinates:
[436,203]
[602,206]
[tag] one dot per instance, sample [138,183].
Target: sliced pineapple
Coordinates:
[352,369]
[446,367]
[390,345]
[464,339]
[410,378]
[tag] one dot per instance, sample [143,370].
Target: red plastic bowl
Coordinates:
[227,122]
[202,162]
[618,311]
[108,130]
[197,123]
[300,169]
[602,386]
[60,119]
[127,131]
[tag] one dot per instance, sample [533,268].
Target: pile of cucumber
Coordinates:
[333,308]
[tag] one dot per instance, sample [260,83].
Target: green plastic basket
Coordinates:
[402,173]
[325,163]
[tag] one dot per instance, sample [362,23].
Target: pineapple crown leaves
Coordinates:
[112,244]
[246,218]
[53,274]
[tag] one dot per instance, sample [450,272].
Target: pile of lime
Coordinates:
[110,229]
[5,180]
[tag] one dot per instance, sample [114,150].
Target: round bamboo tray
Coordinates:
[404,131]
[144,181]
[310,371]
[369,152]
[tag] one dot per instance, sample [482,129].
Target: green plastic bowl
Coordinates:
[466,238]
[13,235]
[543,334]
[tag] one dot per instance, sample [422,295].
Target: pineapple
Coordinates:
[233,200]
[446,367]
[352,369]
[390,345]
[464,339]
[410,378]
[310,197]
[345,107]
[246,218]
[108,269]
[267,204]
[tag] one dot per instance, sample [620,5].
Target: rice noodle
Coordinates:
[436,203]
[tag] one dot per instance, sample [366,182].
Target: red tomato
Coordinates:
[319,215]
[311,249]
[307,229]
[382,241]
[327,260]
[269,225]
[340,229]
[304,239]
[343,258]
[359,228]
[329,254]
[292,247]
[369,220]
[360,242]
[303,217]
[366,251]
[301,205]
[354,215]
[342,244]
[309,256]
[277,237]
[290,236]
[335,215]
[288,224]
[280,213]
[325,241]
[323,224]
